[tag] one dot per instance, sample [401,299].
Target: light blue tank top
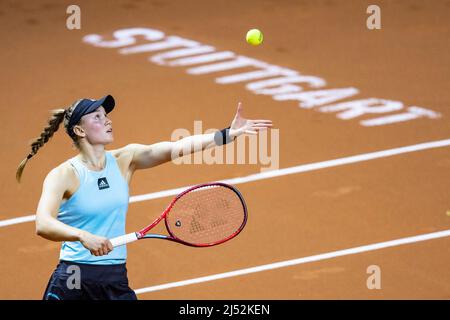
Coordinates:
[99,206]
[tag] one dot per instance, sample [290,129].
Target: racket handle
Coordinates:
[120,241]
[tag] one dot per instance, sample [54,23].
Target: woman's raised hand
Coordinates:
[241,125]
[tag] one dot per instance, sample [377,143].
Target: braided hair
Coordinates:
[58,116]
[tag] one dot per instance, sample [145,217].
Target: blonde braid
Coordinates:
[53,126]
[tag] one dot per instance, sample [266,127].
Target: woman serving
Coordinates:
[85,199]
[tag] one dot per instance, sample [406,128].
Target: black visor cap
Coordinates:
[87,106]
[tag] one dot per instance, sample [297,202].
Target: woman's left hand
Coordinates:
[240,125]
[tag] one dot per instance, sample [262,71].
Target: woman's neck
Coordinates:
[94,158]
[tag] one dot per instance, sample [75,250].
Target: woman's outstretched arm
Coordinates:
[146,156]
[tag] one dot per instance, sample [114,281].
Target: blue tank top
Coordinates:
[99,206]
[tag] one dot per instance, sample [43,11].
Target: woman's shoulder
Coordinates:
[124,158]
[124,151]
[63,170]
[62,177]
[124,154]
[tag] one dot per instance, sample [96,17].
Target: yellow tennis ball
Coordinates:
[254,37]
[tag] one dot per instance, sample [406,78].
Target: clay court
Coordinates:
[385,195]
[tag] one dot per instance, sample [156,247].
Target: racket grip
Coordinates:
[120,241]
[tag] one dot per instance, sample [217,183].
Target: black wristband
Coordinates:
[223,137]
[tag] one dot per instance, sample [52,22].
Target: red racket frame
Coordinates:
[142,234]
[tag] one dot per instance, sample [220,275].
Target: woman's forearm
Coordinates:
[198,142]
[195,143]
[52,229]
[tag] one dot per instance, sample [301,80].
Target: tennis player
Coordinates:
[84,200]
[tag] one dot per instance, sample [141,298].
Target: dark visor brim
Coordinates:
[107,102]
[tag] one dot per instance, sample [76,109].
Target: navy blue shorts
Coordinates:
[76,281]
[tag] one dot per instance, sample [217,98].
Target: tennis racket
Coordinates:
[201,216]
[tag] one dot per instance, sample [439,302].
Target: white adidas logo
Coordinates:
[102,183]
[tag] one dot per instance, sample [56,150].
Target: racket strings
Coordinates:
[206,215]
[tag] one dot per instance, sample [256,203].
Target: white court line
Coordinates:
[287,263]
[13,221]
[276,173]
